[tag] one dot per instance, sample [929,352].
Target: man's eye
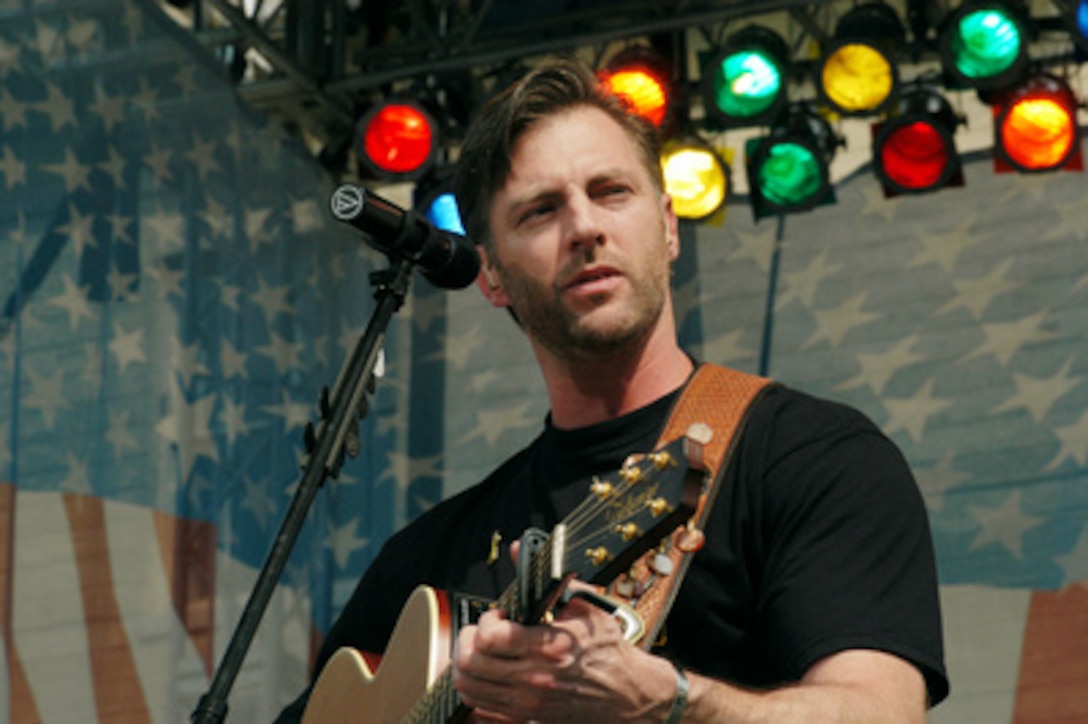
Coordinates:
[537,211]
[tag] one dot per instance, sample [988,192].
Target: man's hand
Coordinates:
[581,668]
[577,668]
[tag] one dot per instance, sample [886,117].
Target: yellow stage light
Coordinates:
[695,177]
[858,71]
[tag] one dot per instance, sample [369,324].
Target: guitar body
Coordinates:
[349,690]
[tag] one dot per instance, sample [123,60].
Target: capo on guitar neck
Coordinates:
[541,594]
[540,574]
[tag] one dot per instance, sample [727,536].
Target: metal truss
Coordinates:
[316,65]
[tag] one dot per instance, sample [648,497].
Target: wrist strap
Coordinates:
[680,701]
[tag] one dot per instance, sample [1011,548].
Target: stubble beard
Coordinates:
[578,336]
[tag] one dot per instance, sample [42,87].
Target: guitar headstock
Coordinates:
[632,510]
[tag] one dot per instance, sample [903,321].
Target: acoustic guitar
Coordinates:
[625,515]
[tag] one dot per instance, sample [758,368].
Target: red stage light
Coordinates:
[915,156]
[398,139]
[642,90]
[914,149]
[639,75]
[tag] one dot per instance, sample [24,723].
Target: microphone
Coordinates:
[447,260]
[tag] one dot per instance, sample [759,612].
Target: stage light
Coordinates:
[744,84]
[859,71]
[398,139]
[788,169]
[640,76]
[433,197]
[443,212]
[1076,14]
[1035,127]
[984,45]
[914,149]
[696,177]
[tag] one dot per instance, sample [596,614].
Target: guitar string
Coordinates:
[573,529]
[578,522]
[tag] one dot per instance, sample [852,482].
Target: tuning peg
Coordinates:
[661,564]
[661,460]
[602,489]
[690,539]
[624,586]
[658,507]
[696,438]
[598,555]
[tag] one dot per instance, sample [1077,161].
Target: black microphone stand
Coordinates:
[336,435]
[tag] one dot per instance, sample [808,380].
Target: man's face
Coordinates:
[583,240]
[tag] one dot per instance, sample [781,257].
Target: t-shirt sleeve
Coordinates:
[845,543]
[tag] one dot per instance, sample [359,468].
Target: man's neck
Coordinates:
[594,389]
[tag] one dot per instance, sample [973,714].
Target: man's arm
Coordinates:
[581,669]
[850,686]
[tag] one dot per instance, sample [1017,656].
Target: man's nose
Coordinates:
[584,223]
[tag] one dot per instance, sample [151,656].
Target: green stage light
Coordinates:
[744,84]
[790,174]
[788,169]
[984,45]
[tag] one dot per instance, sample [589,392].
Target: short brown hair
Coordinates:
[557,86]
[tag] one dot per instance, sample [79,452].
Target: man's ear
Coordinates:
[672,227]
[488,281]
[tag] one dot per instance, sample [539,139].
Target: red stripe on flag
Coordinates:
[117,692]
[187,548]
[22,707]
[1053,664]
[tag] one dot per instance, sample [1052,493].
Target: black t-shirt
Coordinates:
[818,542]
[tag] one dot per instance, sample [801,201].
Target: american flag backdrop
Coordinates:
[174,296]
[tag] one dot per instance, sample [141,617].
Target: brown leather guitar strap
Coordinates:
[719,399]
